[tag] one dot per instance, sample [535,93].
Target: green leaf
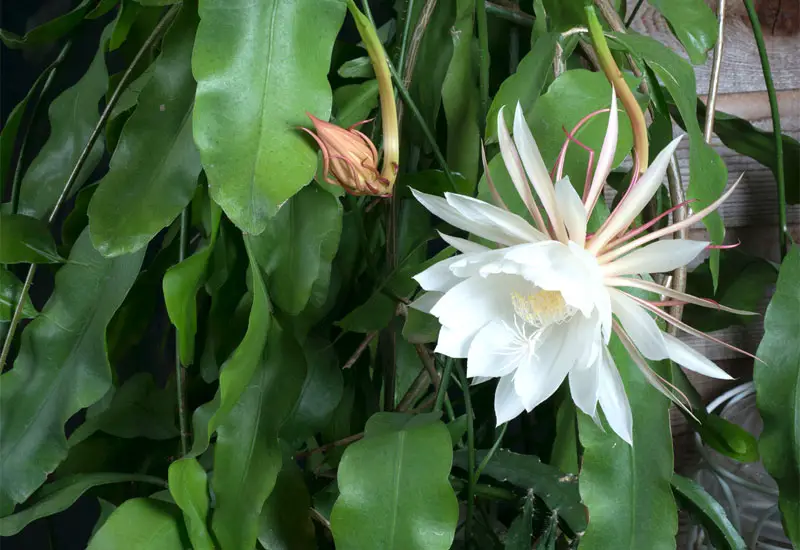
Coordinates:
[394,488]
[243,480]
[520,532]
[693,23]
[526,85]
[153,172]
[707,173]
[557,490]
[47,32]
[354,102]
[777,379]
[708,513]
[321,392]
[627,488]
[61,367]
[101,8]
[563,16]
[26,240]
[188,485]
[298,245]
[728,438]
[62,494]
[259,70]
[461,97]
[374,314]
[73,116]
[420,327]
[77,219]
[285,522]
[10,289]
[359,67]
[181,284]
[142,524]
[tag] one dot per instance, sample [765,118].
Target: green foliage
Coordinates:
[693,23]
[139,524]
[709,512]
[10,290]
[26,240]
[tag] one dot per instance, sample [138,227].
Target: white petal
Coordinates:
[426,301]
[491,351]
[479,380]
[454,342]
[537,171]
[642,329]
[614,401]
[507,405]
[497,223]
[691,359]
[637,198]
[606,158]
[471,304]
[584,385]
[463,245]
[572,211]
[439,276]
[658,257]
[441,209]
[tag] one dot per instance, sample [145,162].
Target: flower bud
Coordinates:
[350,159]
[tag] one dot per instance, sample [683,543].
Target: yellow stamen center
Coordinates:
[542,308]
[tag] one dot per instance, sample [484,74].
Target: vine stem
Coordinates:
[446,375]
[154,35]
[490,454]
[515,15]
[470,452]
[783,228]
[483,59]
[180,370]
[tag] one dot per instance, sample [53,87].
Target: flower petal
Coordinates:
[491,352]
[658,257]
[454,342]
[463,245]
[691,359]
[606,158]
[507,404]
[426,301]
[537,171]
[584,385]
[439,276]
[641,328]
[614,401]
[513,228]
[572,211]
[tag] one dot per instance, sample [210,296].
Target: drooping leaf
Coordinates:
[50,31]
[25,240]
[525,85]
[354,102]
[708,512]
[358,67]
[10,288]
[562,15]
[60,495]
[142,524]
[777,381]
[707,173]
[188,485]
[627,488]
[258,72]
[727,438]
[693,22]
[297,243]
[285,522]
[73,115]
[154,169]
[61,367]
[394,488]
[461,98]
[243,480]
[520,532]
[559,491]
[181,284]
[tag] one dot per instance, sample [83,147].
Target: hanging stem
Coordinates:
[401,59]
[470,451]
[180,370]
[515,15]
[634,11]
[446,375]
[490,454]
[160,28]
[483,59]
[783,228]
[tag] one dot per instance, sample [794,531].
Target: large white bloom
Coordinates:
[541,306]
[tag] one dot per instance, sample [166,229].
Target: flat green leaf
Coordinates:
[101,8]
[247,455]
[420,327]
[777,381]
[525,85]
[142,524]
[25,240]
[285,522]
[627,488]
[520,532]
[258,72]
[181,284]
[157,2]
[10,288]
[708,512]
[77,219]
[298,244]
[354,102]
[461,97]
[321,392]
[153,172]
[374,314]
[106,509]
[559,491]
[693,23]
[394,488]
[47,32]
[188,485]
[60,495]
[61,368]
[359,67]
[73,116]
[707,173]
[130,96]
[563,16]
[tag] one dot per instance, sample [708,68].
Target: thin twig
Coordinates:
[783,228]
[159,28]
[180,370]
[515,15]
[446,376]
[413,51]
[633,13]
[423,406]
[470,450]
[491,452]
[428,363]
[401,59]
[419,385]
[328,446]
[360,349]
[322,520]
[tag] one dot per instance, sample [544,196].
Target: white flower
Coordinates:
[541,306]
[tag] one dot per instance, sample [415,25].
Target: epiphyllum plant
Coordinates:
[542,305]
